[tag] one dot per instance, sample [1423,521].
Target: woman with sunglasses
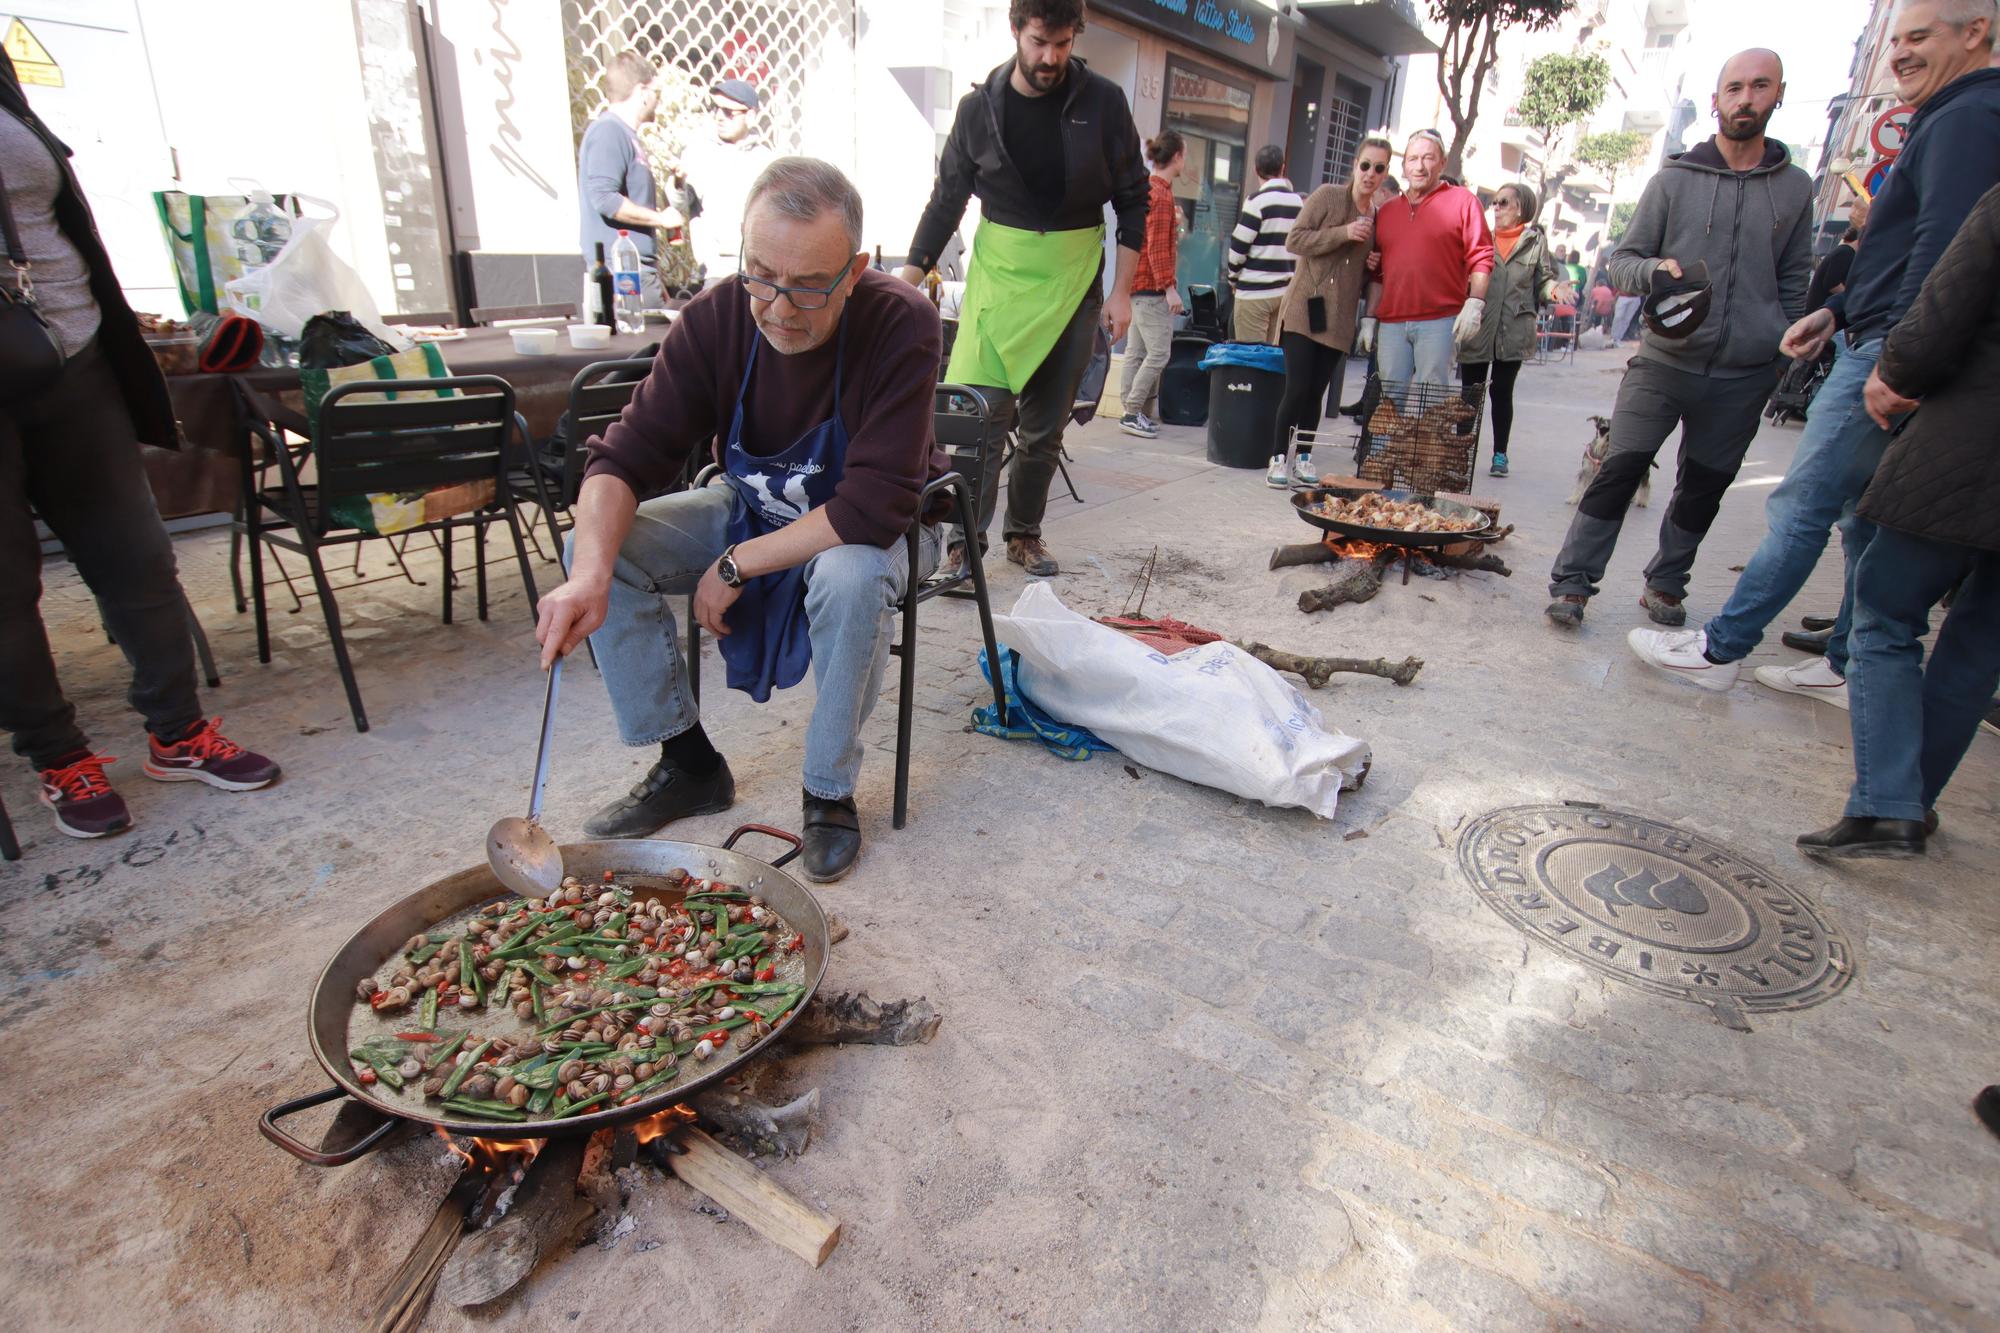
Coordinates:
[1317,322]
[1524,280]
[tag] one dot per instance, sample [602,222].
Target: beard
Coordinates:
[1040,77]
[1744,130]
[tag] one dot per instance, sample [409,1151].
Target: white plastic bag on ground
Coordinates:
[307,278]
[1212,714]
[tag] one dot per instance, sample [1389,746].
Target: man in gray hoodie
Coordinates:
[1737,205]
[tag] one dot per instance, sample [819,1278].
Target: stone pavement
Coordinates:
[1204,1064]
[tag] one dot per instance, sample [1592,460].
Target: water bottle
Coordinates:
[625,277]
[260,231]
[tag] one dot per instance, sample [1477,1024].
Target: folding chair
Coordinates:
[905,648]
[1555,334]
[364,444]
[552,477]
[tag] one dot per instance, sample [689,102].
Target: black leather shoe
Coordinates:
[1987,1107]
[662,796]
[1807,643]
[1816,624]
[1930,822]
[1898,839]
[832,837]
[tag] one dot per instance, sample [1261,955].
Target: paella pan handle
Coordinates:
[798,846]
[268,1123]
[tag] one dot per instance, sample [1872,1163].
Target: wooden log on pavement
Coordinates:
[753,1197]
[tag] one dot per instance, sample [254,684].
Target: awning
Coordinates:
[1390,27]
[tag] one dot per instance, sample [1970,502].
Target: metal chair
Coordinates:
[905,648]
[553,476]
[364,444]
[1555,334]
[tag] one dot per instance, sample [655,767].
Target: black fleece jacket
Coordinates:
[1102,164]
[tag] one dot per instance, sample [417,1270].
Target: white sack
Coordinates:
[1211,714]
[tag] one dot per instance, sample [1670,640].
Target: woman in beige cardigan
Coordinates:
[1316,324]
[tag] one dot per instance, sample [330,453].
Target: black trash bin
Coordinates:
[1183,384]
[1243,394]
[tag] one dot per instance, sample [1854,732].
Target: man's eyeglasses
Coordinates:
[802,298]
[1372,168]
[732,112]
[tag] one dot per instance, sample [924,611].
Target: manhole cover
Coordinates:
[1656,906]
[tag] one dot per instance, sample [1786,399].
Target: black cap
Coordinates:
[1678,306]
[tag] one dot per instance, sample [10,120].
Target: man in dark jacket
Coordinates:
[1941,52]
[1737,205]
[69,451]
[1933,500]
[1045,144]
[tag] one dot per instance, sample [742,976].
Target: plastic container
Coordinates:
[625,281]
[1242,413]
[177,353]
[534,342]
[589,337]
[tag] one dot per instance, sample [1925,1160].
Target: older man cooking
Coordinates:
[813,374]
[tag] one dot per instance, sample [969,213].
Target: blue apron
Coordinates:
[769,645]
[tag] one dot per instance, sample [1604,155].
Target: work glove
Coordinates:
[1364,339]
[1466,326]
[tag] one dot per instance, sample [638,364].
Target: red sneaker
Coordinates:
[82,800]
[208,756]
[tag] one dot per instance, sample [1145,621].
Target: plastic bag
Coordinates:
[306,279]
[1254,356]
[1212,714]
[336,339]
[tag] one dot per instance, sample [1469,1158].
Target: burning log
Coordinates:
[1353,581]
[547,1210]
[783,1130]
[1318,670]
[1480,561]
[853,1017]
[749,1195]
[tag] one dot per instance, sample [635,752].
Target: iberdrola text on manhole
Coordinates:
[1655,906]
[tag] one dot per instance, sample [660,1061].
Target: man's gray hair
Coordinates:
[1962,14]
[805,187]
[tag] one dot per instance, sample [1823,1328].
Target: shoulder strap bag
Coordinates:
[30,355]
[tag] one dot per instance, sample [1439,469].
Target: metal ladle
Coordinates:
[522,854]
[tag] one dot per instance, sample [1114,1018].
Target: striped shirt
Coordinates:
[1258,261]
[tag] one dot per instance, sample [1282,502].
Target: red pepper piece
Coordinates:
[607,877]
[367,1076]
[768,974]
[416,1036]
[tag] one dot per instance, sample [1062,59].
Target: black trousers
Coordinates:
[71,454]
[1041,411]
[1499,392]
[1310,367]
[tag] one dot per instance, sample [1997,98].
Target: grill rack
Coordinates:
[1419,436]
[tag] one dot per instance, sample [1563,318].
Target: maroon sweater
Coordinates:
[685,402]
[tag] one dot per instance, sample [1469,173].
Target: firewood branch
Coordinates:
[1319,670]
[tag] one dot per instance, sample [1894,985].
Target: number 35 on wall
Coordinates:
[1149,86]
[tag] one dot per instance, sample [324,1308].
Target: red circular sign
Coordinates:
[1891,130]
[1878,175]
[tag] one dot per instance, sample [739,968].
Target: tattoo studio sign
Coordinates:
[1241,30]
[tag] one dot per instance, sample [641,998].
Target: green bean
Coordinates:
[517,937]
[535,994]
[628,968]
[424,953]
[544,1077]
[716,895]
[617,924]
[440,935]
[539,1103]
[564,950]
[765,987]
[575,1107]
[444,1052]
[665,1076]
[464,1069]
[540,973]
[488,1110]
[465,970]
[383,1065]
[427,1012]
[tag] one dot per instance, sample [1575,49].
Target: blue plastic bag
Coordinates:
[1027,722]
[1255,356]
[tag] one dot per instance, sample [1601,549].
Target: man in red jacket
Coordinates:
[1437,259]
[813,374]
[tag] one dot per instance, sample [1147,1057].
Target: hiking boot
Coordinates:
[832,836]
[1138,423]
[1303,471]
[665,794]
[1566,610]
[81,798]
[952,566]
[1682,653]
[1663,607]
[1813,678]
[206,755]
[1499,468]
[1031,555]
[1889,839]
[1276,478]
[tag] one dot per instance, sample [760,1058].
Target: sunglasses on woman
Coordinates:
[1371,168]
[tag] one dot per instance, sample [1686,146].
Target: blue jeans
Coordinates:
[852,595]
[1836,458]
[1419,351]
[1913,723]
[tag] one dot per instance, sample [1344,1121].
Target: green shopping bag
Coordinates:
[205,236]
[387,512]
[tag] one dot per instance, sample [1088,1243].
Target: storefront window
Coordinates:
[1212,112]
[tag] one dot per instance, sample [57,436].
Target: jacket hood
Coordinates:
[1074,78]
[1965,85]
[1705,156]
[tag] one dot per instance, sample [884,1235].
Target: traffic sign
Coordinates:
[32,62]
[1878,174]
[1891,130]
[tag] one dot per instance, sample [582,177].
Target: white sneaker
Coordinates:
[1276,478]
[1303,471]
[1812,678]
[1679,653]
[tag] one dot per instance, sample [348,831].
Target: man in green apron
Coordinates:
[1045,144]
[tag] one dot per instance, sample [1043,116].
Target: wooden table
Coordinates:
[202,476]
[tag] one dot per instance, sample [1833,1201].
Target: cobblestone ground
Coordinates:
[1204,1064]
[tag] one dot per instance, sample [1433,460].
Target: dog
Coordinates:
[1593,459]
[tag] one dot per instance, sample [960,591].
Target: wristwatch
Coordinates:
[725,567]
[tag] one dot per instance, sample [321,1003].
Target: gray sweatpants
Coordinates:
[1718,419]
